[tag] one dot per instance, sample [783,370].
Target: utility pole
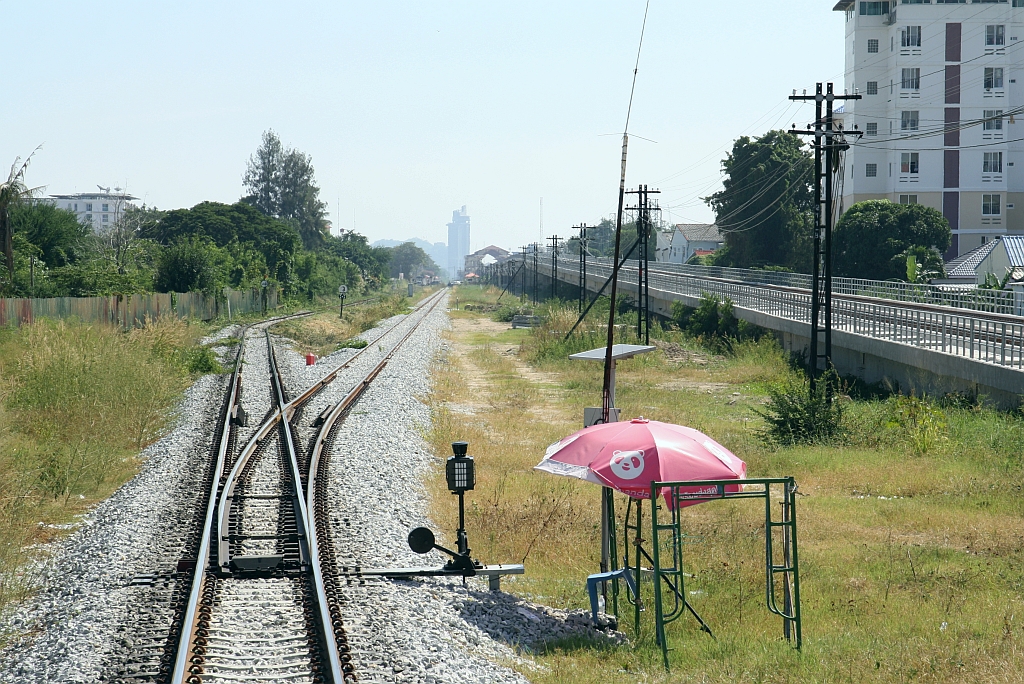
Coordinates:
[536,254]
[584,240]
[828,143]
[522,290]
[644,225]
[554,263]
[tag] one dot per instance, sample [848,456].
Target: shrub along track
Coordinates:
[252,598]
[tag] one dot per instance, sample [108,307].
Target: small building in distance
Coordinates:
[686,240]
[1006,257]
[964,269]
[490,254]
[98,210]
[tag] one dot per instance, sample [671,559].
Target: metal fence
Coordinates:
[132,310]
[990,338]
[956,296]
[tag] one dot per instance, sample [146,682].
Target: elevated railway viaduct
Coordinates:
[916,337]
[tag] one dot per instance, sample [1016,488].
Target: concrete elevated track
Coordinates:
[918,338]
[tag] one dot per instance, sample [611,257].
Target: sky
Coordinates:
[409,110]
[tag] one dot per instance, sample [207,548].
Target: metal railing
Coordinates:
[990,339]
[955,296]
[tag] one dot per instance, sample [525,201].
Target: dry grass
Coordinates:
[911,534]
[324,332]
[77,402]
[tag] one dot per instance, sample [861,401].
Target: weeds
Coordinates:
[77,402]
[795,414]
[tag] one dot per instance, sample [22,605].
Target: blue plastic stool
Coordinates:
[594,580]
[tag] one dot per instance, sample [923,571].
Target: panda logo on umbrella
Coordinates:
[627,465]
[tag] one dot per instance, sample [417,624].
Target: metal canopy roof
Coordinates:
[619,351]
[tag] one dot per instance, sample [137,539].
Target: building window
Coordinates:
[105,207]
[88,206]
[908,120]
[911,36]
[990,205]
[88,218]
[871,128]
[872,45]
[995,34]
[871,170]
[908,199]
[916,2]
[874,8]
[993,162]
[912,79]
[993,120]
[106,218]
[872,87]
[909,162]
[993,77]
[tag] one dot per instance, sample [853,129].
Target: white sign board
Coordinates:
[342,289]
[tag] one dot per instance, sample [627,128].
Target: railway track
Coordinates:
[258,602]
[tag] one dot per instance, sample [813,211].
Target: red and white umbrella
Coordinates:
[628,456]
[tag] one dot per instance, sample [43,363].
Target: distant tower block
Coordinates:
[458,243]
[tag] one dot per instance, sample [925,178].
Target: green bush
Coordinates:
[505,312]
[352,344]
[199,360]
[713,323]
[796,415]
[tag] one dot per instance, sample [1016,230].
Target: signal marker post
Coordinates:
[342,291]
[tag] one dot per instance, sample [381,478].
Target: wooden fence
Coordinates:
[132,310]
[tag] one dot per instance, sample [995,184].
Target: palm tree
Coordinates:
[13,191]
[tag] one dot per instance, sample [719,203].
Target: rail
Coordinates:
[309,505]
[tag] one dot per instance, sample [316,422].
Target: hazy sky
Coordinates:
[409,110]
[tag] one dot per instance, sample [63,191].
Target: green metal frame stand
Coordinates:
[780,550]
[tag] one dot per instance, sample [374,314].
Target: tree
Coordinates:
[407,258]
[239,223]
[13,192]
[765,208]
[188,265]
[373,262]
[281,184]
[874,239]
[57,233]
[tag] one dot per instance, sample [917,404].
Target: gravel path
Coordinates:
[87,617]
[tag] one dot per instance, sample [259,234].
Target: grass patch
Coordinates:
[324,333]
[77,403]
[911,542]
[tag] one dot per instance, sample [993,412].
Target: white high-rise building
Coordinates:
[940,111]
[458,243]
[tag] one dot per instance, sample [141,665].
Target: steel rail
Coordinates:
[221,503]
[332,619]
[188,622]
[330,377]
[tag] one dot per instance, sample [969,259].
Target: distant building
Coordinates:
[458,243]
[98,210]
[686,240]
[490,254]
[939,87]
